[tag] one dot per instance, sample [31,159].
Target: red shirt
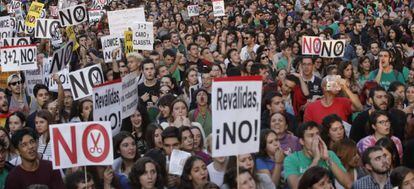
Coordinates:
[315,111]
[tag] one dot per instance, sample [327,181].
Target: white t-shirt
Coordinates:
[216,177]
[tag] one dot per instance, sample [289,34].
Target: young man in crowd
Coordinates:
[148,90]
[386,73]
[19,100]
[4,108]
[314,153]
[32,170]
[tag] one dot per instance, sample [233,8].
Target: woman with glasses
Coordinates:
[380,128]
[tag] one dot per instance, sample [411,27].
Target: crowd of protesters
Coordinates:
[356,131]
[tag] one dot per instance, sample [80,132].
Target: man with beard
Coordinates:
[34,170]
[378,98]
[376,162]
[4,108]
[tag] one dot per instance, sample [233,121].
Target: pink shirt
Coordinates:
[370,140]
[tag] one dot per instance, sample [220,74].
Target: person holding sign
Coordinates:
[32,170]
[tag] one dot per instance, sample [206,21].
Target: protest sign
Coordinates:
[53,11]
[129,96]
[19,26]
[17,58]
[61,58]
[143,36]
[63,77]
[218,8]
[72,36]
[121,20]
[236,115]
[13,6]
[193,10]
[107,104]
[5,32]
[332,48]
[99,4]
[82,81]
[73,15]
[15,41]
[5,22]
[81,144]
[177,162]
[32,77]
[311,45]
[33,14]
[95,15]
[47,28]
[109,44]
[129,46]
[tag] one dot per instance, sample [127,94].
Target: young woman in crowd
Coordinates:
[288,142]
[137,124]
[125,149]
[83,111]
[402,178]
[42,121]
[190,81]
[315,178]
[345,70]
[195,174]
[14,122]
[198,146]
[153,136]
[146,174]
[390,150]
[11,154]
[332,130]
[239,179]
[364,68]
[179,114]
[164,104]
[270,157]
[397,89]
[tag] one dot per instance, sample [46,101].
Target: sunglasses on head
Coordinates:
[15,83]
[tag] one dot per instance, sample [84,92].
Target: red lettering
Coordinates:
[306,45]
[58,138]
[85,148]
[317,45]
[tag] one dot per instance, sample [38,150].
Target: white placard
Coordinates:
[107,104]
[177,162]
[73,15]
[13,6]
[6,32]
[95,15]
[82,81]
[311,45]
[193,10]
[81,144]
[129,96]
[15,41]
[218,8]
[120,20]
[32,78]
[63,77]
[333,48]
[236,115]
[18,58]
[109,44]
[47,29]
[143,36]
[61,58]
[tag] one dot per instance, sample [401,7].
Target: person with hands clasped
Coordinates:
[314,153]
[385,74]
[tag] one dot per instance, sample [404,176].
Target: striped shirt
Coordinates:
[368,182]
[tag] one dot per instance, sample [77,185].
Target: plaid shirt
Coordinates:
[368,182]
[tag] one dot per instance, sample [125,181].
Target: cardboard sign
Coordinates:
[236,115]
[32,77]
[73,15]
[311,45]
[333,48]
[193,10]
[15,41]
[129,46]
[34,13]
[109,44]
[82,81]
[119,21]
[81,144]
[218,8]
[143,36]
[47,29]
[177,162]
[63,77]
[129,96]
[17,58]
[72,36]
[107,104]
[95,15]
[61,58]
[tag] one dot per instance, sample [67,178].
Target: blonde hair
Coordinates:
[135,55]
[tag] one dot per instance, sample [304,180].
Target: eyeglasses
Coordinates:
[384,122]
[265,49]
[264,57]
[15,83]
[246,38]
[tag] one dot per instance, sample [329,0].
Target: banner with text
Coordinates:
[312,45]
[236,115]
[33,14]
[107,104]
[193,10]
[73,15]
[109,44]
[143,36]
[81,144]
[82,81]
[218,8]
[18,58]
[120,20]
[129,97]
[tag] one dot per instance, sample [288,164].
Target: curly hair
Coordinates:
[139,169]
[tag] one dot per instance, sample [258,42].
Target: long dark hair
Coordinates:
[312,176]
[150,134]
[186,182]
[127,124]
[389,144]
[326,125]
[20,115]
[139,169]
[117,140]
[263,142]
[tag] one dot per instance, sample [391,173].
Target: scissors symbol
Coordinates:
[95,147]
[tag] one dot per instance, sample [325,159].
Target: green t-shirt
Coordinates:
[3,176]
[282,63]
[387,78]
[297,163]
